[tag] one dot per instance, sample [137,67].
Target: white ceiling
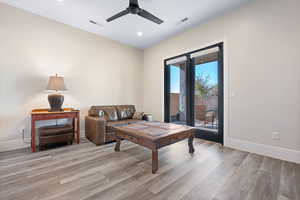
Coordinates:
[77,13]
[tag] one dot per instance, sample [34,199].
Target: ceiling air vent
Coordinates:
[93,22]
[182,21]
[96,23]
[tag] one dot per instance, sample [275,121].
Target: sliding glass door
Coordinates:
[194,91]
[177,90]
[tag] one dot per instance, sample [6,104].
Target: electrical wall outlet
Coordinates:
[275,136]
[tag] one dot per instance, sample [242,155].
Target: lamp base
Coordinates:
[55,101]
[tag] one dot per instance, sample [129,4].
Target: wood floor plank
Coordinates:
[117,176]
[297,181]
[267,182]
[241,182]
[62,171]
[170,163]
[178,189]
[57,166]
[93,189]
[86,171]
[26,154]
[140,193]
[288,180]
[208,187]
[117,163]
[106,162]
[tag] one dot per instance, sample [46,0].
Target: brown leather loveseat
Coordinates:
[101,119]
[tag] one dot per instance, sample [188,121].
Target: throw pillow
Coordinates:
[138,115]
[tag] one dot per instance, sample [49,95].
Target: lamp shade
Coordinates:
[56,83]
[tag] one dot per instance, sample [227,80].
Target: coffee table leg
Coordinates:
[154,161]
[190,142]
[118,143]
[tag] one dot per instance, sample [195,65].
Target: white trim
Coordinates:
[226,78]
[15,144]
[10,145]
[184,51]
[205,52]
[261,149]
[176,60]
[226,90]
[265,150]
[226,85]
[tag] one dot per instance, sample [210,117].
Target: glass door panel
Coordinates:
[177,90]
[194,91]
[206,96]
[206,93]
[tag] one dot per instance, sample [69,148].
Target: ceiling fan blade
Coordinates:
[133,2]
[149,16]
[120,14]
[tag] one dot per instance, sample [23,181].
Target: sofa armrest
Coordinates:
[95,129]
[148,117]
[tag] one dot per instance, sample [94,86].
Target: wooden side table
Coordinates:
[44,114]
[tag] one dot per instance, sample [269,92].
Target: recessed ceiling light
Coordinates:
[140,33]
[60,0]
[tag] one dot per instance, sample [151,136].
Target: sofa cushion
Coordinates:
[94,112]
[110,125]
[110,114]
[125,111]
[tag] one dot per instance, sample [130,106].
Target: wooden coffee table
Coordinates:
[154,135]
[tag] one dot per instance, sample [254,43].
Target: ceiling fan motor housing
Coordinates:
[133,9]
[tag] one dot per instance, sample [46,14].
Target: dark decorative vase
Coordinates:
[56,101]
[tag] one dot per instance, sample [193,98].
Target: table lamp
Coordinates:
[56,100]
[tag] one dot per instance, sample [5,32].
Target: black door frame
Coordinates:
[190,88]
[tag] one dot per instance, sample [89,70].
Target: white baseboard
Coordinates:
[261,149]
[265,150]
[10,145]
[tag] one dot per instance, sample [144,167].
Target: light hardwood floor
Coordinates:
[89,172]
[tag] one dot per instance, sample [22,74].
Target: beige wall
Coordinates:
[262,52]
[96,70]
[262,84]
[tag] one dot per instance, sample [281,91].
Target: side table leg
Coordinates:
[78,129]
[118,143]
[33,147]
[74,125]
[190,142]
[154,161]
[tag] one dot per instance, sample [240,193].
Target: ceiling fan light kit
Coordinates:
[135,9]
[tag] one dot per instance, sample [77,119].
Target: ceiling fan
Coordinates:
[135,9]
